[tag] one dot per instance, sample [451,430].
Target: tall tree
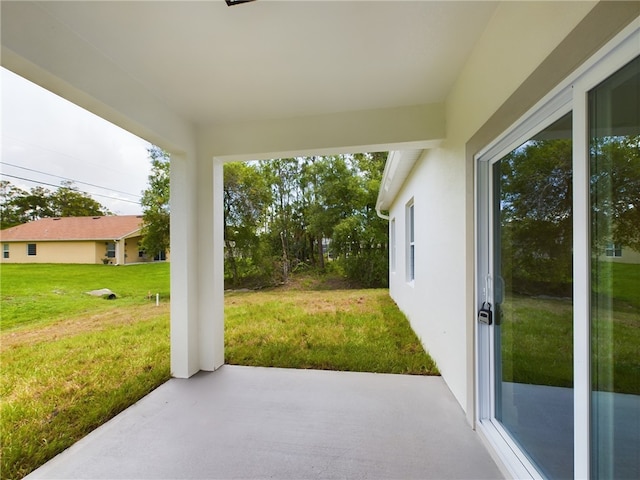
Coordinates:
[314,202]
[18,206]
[246,195]
[616,169]
[282,221]
[155,204]
[362,239]
[337,195]
[536,216]
[68,201]
[10,212]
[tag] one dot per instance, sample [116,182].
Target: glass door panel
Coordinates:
[614,144]
[532,265]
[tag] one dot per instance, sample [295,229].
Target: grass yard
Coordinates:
[38,294]
[71,361]
[350,330]
[537,336]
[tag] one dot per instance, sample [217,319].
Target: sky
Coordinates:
[47,139]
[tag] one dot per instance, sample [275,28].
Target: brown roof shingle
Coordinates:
[74,228]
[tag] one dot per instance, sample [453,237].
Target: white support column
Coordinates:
[211,263]
[185,263]
[120,251]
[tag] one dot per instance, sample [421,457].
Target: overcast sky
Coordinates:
[47,139]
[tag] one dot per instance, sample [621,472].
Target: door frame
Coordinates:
[570,95]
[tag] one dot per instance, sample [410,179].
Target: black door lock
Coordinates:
[485,315]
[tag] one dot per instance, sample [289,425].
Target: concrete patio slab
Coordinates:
[255,423]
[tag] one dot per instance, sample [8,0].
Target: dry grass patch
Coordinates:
[83,324]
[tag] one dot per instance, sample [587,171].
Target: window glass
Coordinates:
[533,327]
[31,249]
[392,234]
[411,247]
[614,145]
[5,250]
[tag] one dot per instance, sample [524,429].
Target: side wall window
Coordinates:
[5,250]
[31,249]
[411,246]
[392,235]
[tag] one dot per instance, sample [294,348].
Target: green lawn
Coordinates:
[71,361]
[537,335]
[350,330]
[37,294]
[537,341]
[59,384]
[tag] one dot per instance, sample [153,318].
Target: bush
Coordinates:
[369,269]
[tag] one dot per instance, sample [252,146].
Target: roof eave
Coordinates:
[396,171]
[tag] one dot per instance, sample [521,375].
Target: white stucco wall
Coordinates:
[440,302]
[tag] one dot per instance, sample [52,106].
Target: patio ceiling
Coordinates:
[216,65]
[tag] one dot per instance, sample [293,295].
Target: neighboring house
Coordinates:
[621,254]
[101,239]
[454,88]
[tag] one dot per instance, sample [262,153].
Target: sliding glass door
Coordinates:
[533,225]
[614,148]
[559,260]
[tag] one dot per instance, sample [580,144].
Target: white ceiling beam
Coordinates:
[414,127]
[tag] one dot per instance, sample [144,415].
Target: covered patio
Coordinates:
[210,84]
[248,422]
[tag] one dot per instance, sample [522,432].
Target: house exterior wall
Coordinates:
[628,256]
[440,302]
[131,250]
[55,252]
[85,252]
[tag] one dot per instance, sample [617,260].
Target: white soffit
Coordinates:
[213,64]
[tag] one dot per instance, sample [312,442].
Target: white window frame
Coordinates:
[410,215]
[393,248]
[570,95]
[5,250]
[35,250]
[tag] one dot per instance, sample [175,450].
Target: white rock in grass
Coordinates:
[103,292]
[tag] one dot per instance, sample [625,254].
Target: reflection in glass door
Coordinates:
[532,268]
[614,143]
[559,257]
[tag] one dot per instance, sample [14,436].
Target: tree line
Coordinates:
[280,216]
[536,208]
[18,206]
[288,214]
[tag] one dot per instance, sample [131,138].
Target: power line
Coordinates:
[57,152]
[69,179]
[79,191]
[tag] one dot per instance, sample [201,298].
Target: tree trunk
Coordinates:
[312,255]
[232,261]
[285,258]
[320,253]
